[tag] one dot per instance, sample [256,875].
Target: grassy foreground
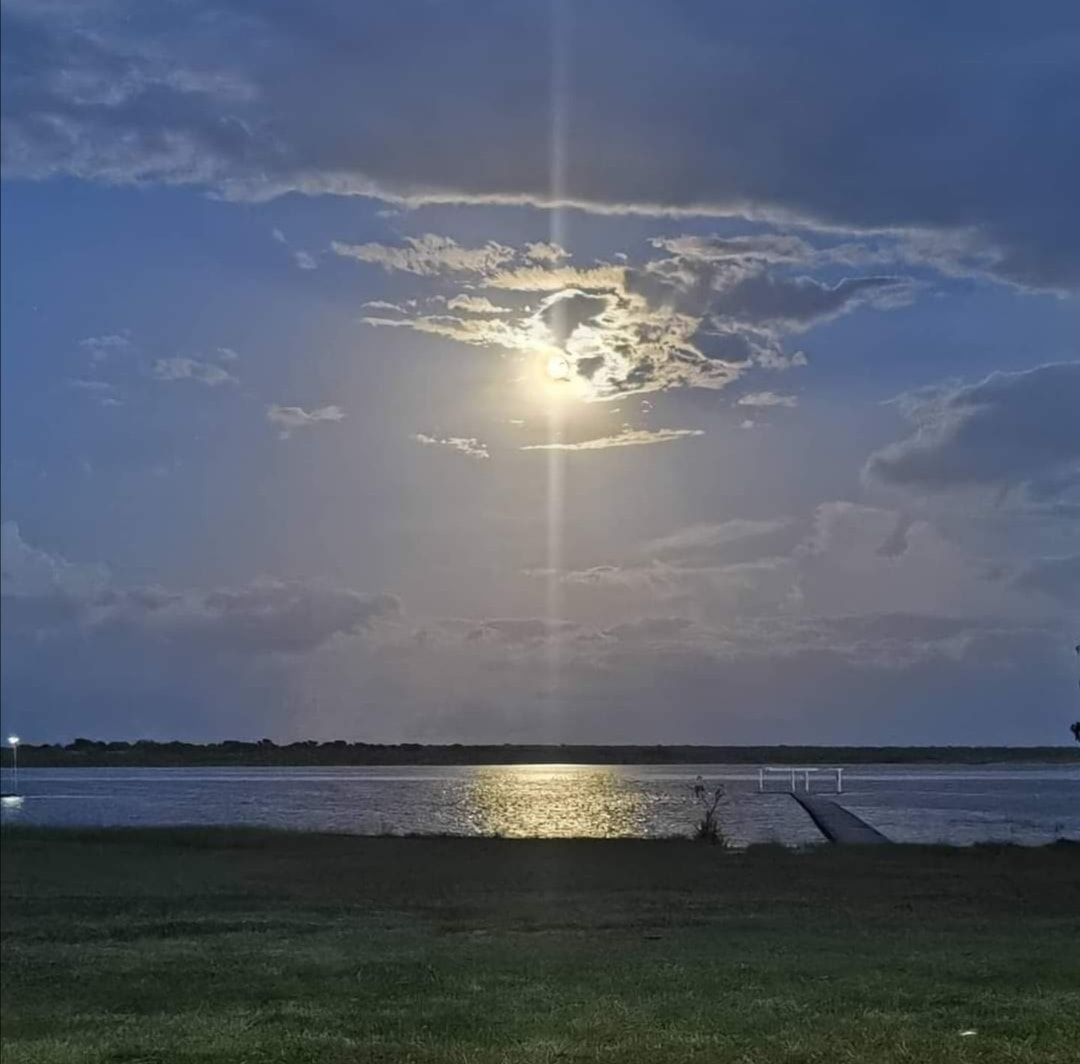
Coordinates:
[214,945]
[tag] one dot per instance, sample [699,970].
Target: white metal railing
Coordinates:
[795,772]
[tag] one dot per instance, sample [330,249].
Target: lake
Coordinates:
[941,803]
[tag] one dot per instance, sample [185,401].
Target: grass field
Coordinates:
[213,945]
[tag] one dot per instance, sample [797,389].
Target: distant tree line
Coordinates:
[148,753]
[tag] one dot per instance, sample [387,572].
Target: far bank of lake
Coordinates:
[148,753]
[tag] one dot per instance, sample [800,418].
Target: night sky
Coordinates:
[547,372]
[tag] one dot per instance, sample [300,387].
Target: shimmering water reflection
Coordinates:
[525,801]
[940,803]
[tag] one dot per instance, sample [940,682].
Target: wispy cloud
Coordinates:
[428,255]
[290,418]
[467,445]
[79,384]
[626,438]
[476,305]
[767,399]
[543,251]
[102,391]
[191,369]
[101,348]
[304,259]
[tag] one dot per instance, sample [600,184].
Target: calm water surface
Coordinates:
[960,804]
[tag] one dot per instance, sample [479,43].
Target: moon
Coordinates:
[558,368]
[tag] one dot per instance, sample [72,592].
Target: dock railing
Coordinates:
[793,772]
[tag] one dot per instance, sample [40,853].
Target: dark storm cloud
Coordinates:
[920,118]
[1008,430]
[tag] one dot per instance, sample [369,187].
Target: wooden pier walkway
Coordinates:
[836,823]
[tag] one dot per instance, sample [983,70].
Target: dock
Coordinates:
[838,824]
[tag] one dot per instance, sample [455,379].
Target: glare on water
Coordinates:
[547,800]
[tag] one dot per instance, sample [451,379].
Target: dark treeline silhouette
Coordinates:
[265,752]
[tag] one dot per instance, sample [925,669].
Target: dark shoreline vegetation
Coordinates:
[219,944]
[145,753]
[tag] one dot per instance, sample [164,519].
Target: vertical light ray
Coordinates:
[559,93]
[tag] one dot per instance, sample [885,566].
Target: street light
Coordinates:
[13,742]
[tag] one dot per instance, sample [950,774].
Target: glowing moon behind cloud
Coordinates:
[558,368]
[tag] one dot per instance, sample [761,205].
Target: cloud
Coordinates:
[732,541]
[624,438]
[103,347]
[795,303]
[104,392]
[429,255]
[1058,578]
[96,386]
[739,254]
[47,596]
[383,304]
[226,97]
[467,445]
[556,278]
[479,332]
[615,339]
[305,260]
[563,312]
[701,315]
[882,677]
[191,369]
[290,418]
[543,251]
[797,676]
[267,616]
[1006,431]
[650,629]
[842,559]
[520,629]
[766,399]
[30,572]
[475,305]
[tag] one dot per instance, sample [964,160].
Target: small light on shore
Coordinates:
[967,1034]
[13,740]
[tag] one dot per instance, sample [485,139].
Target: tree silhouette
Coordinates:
[1075,726]
[709,799]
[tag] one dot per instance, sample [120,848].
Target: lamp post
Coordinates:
[13,742]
